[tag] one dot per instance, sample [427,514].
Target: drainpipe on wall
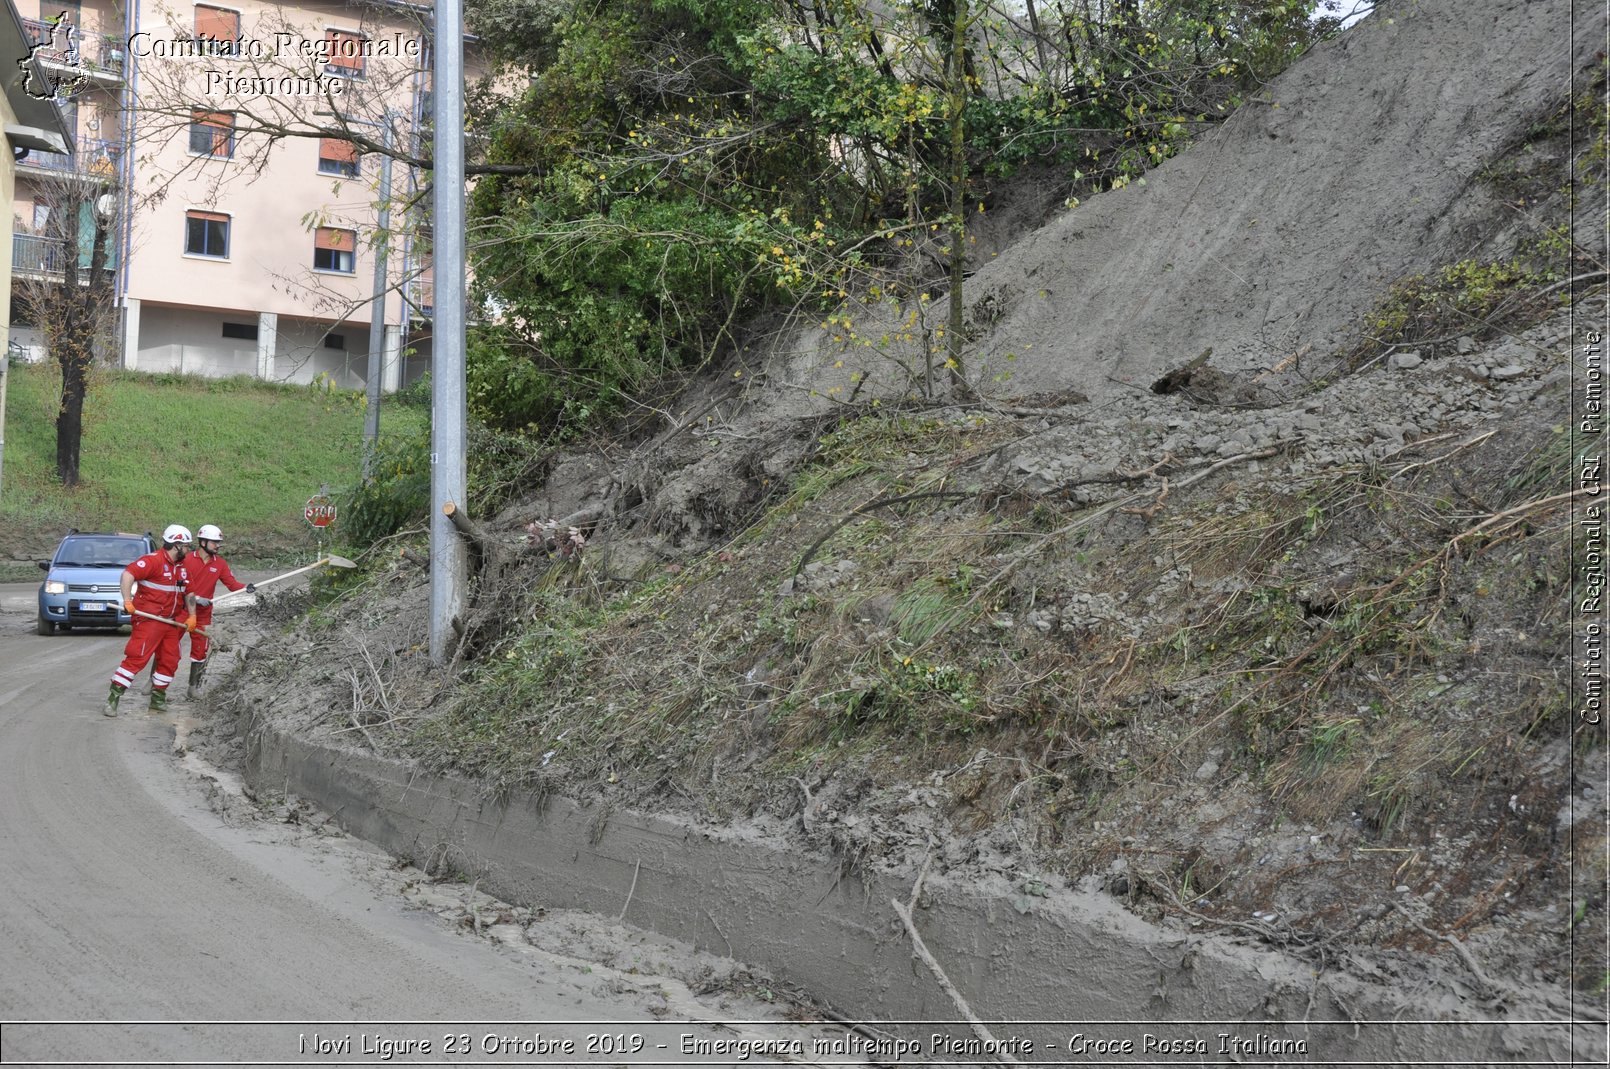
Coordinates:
[131,77]
[377,309]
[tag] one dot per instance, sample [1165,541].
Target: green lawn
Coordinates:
[161,449]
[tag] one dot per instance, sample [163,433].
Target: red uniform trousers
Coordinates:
[198,641]
[203,579]
[150,638]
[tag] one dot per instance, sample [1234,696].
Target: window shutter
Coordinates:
[328,237]
[214,23]
[207,217]
[223,124]
[333,148]
[345,49]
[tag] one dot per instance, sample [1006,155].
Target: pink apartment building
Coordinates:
[238,253]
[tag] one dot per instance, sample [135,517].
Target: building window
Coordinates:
[338,157]
[218,30]
[206,234]
[212,133]
[242,331]
[422,292]
[332,249]
[335,341]
[345,51]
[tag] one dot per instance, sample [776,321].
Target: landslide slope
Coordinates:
[1274,235]
[1280,653]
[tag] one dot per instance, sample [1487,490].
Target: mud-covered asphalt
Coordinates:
[129,906]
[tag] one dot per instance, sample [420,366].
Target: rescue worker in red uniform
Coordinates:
[160,579]
[206,569]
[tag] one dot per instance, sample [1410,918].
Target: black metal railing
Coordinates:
[98,53]
[95,155]
[35,255]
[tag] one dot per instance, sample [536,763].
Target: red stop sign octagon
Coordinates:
[320,511]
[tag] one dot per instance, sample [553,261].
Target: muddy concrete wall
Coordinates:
[1061,965]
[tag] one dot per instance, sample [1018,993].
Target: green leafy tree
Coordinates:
[680,168]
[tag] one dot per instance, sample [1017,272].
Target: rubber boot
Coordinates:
[110,709]
[159,700]
[197,670]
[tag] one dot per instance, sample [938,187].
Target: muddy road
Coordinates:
[129,906]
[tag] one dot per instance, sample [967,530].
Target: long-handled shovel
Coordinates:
[334,562]
[166,620]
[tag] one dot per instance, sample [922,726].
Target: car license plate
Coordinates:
[94,606]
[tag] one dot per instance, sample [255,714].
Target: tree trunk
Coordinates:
[68,350]
[958,192]
[1039,40]
[74,345]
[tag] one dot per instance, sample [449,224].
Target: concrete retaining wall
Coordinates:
[1073,963]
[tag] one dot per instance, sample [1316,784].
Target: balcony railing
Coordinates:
[98,54]
[96,156]
[35,255]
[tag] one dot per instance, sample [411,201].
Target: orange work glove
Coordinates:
[190,622]
[128,607]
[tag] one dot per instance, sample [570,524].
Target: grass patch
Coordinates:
[161,449]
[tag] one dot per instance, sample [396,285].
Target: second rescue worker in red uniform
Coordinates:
[206,570]
[160,578]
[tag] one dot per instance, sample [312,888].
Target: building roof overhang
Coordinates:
[39,122]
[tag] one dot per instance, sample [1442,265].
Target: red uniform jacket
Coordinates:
[204,579]
[160,585]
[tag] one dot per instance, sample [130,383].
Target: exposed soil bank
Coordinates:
[1041,955]
[1369,161]
[1252,621]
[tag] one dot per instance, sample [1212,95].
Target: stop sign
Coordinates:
[320,511]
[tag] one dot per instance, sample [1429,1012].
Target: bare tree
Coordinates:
[65,274]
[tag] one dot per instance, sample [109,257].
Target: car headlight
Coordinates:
[55,586]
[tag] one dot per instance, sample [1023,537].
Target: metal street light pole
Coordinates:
[448,556]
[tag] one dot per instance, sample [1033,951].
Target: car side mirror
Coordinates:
[45,564]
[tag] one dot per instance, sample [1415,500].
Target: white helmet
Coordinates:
[176,535]
[210,533]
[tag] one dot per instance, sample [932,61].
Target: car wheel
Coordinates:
[45,627]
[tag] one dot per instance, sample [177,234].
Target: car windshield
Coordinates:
[98,552]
